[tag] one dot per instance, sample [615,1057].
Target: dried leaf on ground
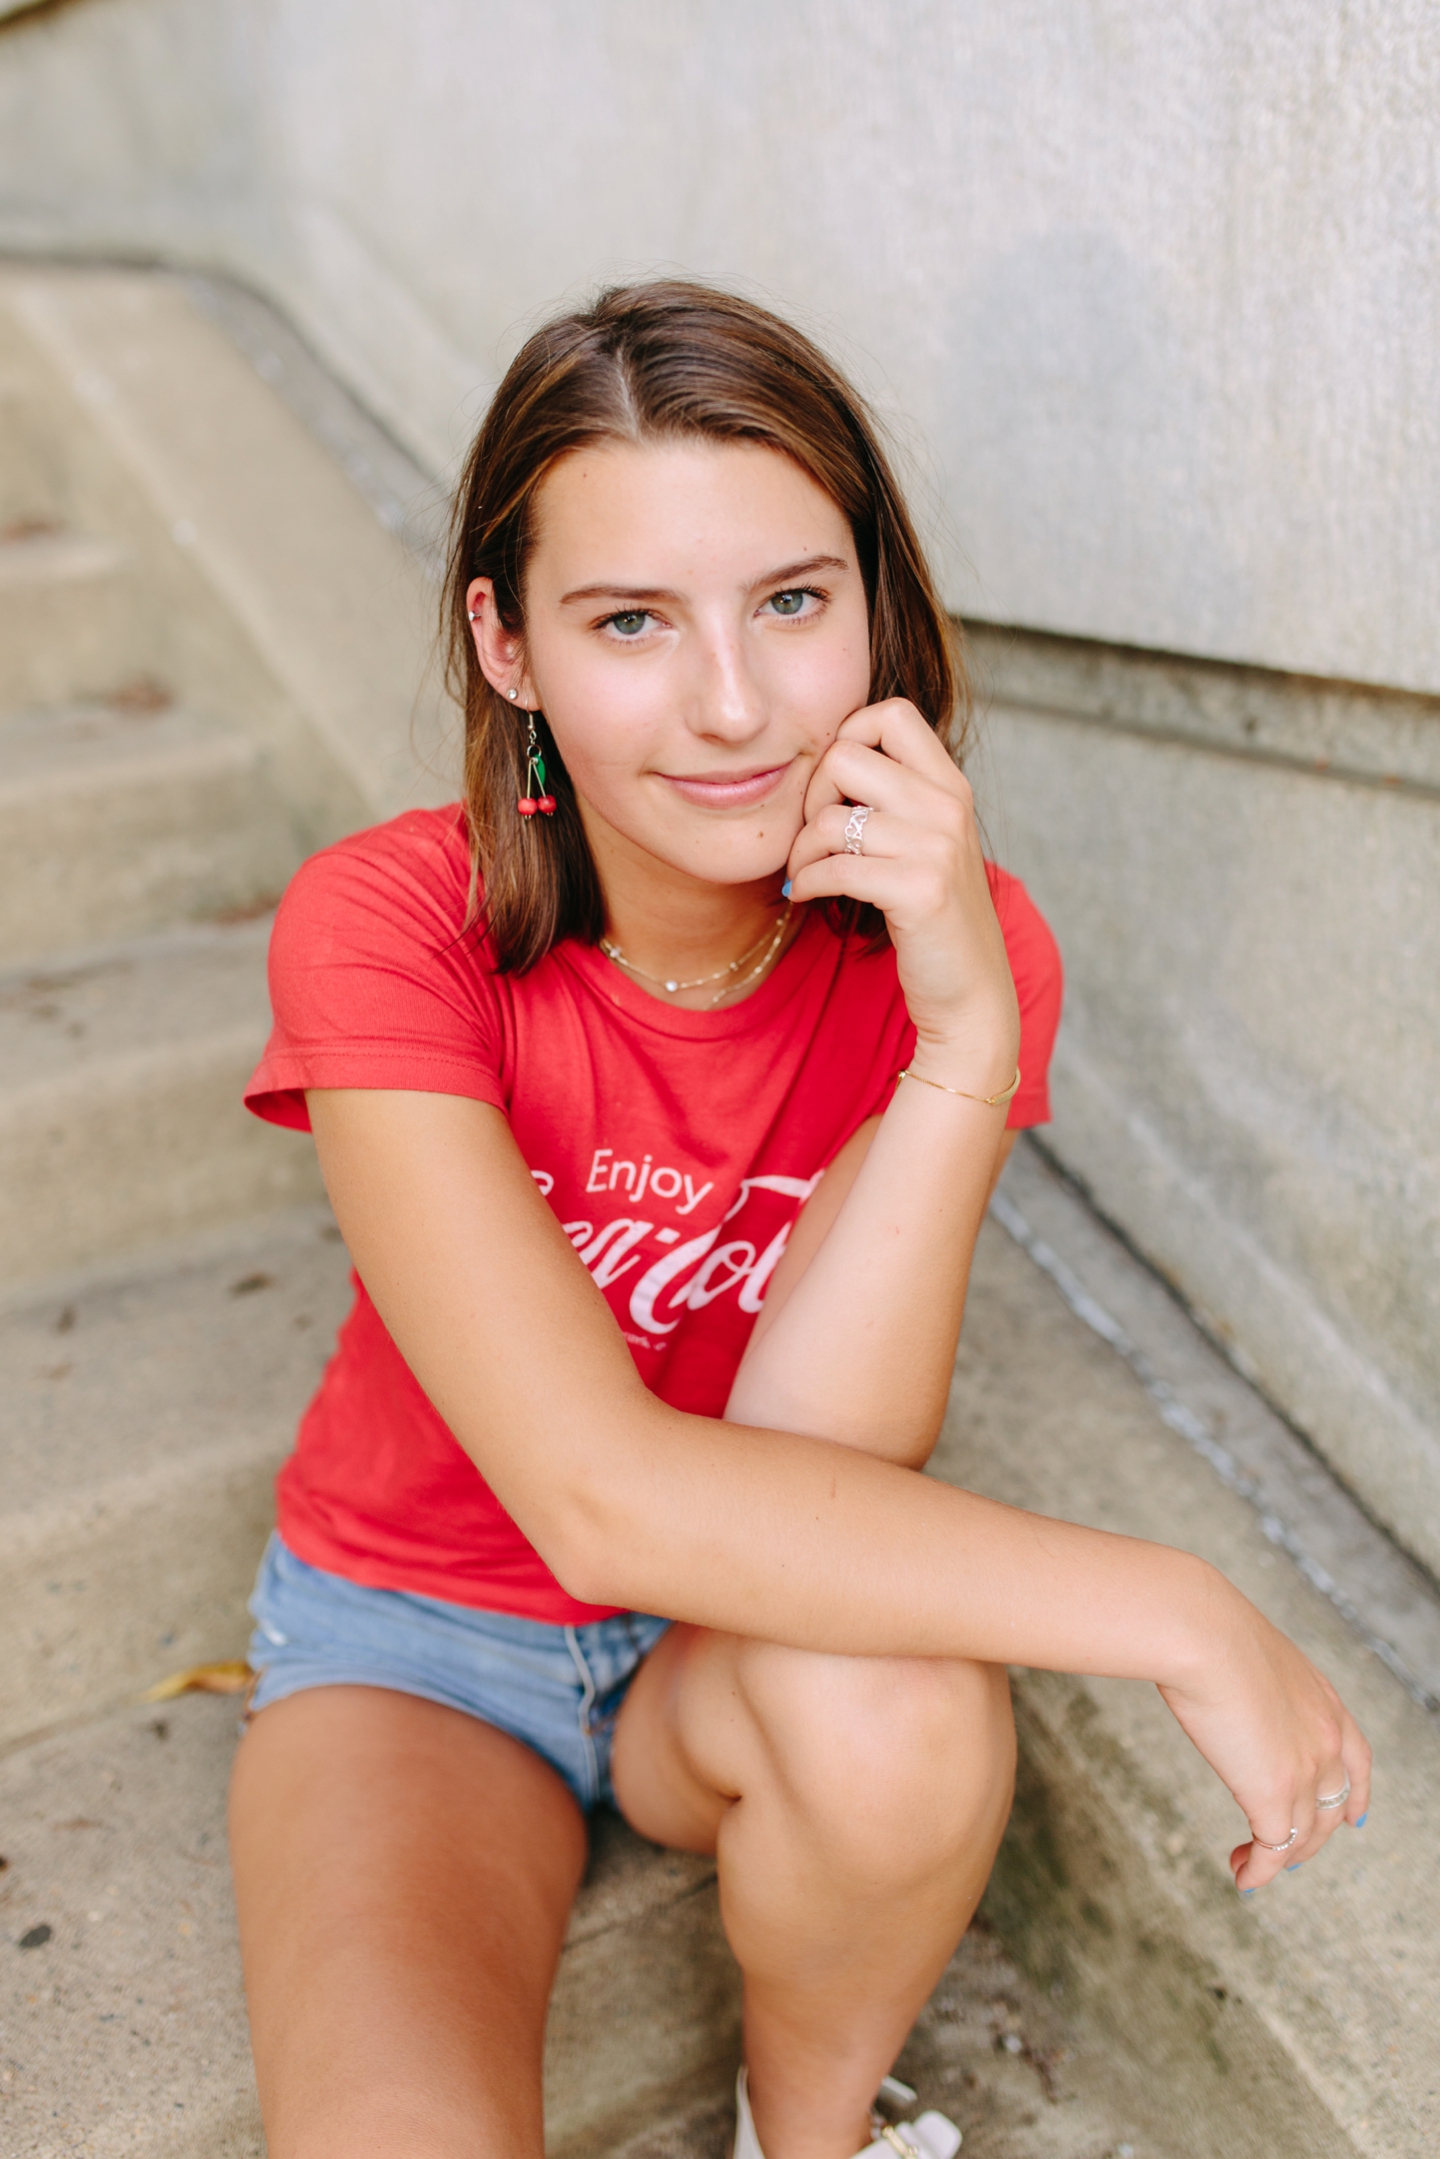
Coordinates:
[232,1677]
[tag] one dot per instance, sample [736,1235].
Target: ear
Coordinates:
[501,652]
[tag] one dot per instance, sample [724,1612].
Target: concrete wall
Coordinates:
[1151,292]
[1244,874]
[1157,285]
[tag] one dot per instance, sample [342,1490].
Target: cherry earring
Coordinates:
[532,801]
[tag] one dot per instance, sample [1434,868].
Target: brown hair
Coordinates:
[644,362]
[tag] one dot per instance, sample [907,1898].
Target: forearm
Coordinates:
[791,1539]
[862,1347]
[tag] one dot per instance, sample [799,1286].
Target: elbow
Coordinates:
[583,1542]
[590,1563]
[584,1576]
[608,1537]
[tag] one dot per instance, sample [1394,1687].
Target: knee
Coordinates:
[919,1749]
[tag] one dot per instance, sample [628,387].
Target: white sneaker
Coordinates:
[933,2136]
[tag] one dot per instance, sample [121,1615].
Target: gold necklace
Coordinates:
[769,938]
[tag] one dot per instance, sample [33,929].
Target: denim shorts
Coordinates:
[559,1689]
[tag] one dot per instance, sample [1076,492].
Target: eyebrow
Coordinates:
[642,593]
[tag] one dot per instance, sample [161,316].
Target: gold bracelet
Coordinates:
[991,1101]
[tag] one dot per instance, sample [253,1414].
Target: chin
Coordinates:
[726,869]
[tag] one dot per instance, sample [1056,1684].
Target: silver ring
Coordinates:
[855,829]
[1336,1799]
[1294,1834]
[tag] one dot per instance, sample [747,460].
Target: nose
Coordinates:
[727,702]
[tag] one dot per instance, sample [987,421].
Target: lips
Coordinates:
[726,790]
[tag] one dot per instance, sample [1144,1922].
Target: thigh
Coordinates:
[404,1874]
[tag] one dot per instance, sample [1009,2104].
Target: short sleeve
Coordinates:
[375,979]
[1039,988]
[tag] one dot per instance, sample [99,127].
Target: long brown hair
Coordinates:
[640,364]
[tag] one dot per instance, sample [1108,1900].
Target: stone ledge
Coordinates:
[1335,730]
[411,503]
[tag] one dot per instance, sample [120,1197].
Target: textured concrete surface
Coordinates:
[211,658]
[1301,1507]
[250,581]
[1247,1074]
[123,818]
[1154,291]
[120,1115]
[68,619]
[124,2024]
[144,1419]
[286,552]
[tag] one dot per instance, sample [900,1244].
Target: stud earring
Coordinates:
[533,800]
[474,614]
[512,695]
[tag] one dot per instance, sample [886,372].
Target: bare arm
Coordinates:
[834,1272]
[763,1532]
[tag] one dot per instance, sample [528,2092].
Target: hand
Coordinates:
[922,865]
[1277,1733]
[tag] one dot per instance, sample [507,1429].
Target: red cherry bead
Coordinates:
[546,805]
[526,807]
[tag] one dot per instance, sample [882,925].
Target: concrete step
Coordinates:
[1304,2019]
[276,599]
[124,2019]
[70,625]
[120,1116]
[33,490]
[122,818]
[144,1417]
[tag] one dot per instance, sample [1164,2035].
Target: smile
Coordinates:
[726,790]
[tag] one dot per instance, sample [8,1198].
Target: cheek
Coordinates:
[603,722]
[827,682]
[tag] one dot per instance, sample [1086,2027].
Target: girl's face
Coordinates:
[696,630]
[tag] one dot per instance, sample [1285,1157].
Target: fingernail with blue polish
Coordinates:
[785,890]
[1247,1892]
[1363,1819]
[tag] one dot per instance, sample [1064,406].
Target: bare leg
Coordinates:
[404,1875]
[855,1805]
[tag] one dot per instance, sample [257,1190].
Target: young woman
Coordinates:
[660,1274]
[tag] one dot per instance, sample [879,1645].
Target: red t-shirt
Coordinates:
[675,1147]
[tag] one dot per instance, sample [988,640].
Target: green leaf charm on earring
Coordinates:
[535,798]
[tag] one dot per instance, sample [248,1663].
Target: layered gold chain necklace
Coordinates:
[770,939]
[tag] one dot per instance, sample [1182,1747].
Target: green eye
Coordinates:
[788,603]
[631,623]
